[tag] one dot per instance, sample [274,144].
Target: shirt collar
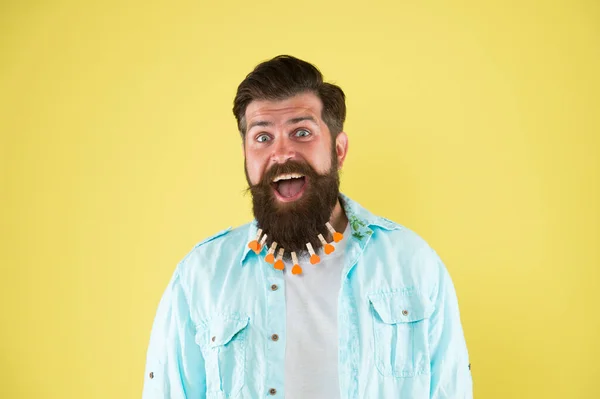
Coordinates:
[359,219]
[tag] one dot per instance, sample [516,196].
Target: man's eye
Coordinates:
[302,133]
[262,138]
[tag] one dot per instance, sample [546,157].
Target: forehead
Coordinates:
[304,103]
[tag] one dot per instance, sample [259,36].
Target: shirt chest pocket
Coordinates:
[400,329]
[223,344]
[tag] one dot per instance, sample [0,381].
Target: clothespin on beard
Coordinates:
[314,258]
[337,237]
[254,245]
[279,265]
[327,248]
[260,244]
[270,258]
[296,269]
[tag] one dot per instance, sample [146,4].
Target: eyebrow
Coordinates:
[259,123]
[292,121]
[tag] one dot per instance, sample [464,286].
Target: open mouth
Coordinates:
[289,187]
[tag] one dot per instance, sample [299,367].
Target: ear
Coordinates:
[341,148]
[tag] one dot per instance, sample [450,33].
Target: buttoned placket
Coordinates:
[348,334]
[275,325]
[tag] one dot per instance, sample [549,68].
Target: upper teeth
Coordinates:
[287,177]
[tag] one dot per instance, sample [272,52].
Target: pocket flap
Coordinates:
[223,329]
[397,307]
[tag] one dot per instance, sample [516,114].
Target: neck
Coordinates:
[338,218]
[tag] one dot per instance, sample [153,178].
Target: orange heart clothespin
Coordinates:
[253,245]
[328,248]
[337,237]
[270,258]
[279,265]
[296,269]
[314,258]
[260,244]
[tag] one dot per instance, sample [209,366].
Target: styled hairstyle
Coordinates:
[283,77]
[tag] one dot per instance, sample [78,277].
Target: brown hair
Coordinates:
[285,76]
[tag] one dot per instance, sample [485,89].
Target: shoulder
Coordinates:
[223,246]
[409,250]
[401,239]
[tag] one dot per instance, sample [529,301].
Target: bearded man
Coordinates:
[317,297]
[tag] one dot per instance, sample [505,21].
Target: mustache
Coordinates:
[285,168]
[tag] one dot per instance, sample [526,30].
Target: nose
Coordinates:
[283,151]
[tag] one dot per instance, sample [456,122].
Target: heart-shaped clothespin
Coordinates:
[253,245]
[327,248]
[314,258]
[296,269]
[279,265]
[260,244]
[270,258]
[337,237]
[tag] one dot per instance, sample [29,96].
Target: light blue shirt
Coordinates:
[220,328]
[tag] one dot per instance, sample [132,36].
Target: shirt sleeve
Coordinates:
[450,367]
[174,362]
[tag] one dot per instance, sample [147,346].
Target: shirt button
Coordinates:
[405,313]
[151,375]
[274,287]
[272,391]
[213,339]
[275,337]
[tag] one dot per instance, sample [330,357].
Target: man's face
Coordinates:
[291,165]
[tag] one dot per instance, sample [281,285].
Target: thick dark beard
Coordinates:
[292,225]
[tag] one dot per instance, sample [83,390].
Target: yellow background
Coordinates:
[474,123]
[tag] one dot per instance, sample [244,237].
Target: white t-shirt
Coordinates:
[311,301]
